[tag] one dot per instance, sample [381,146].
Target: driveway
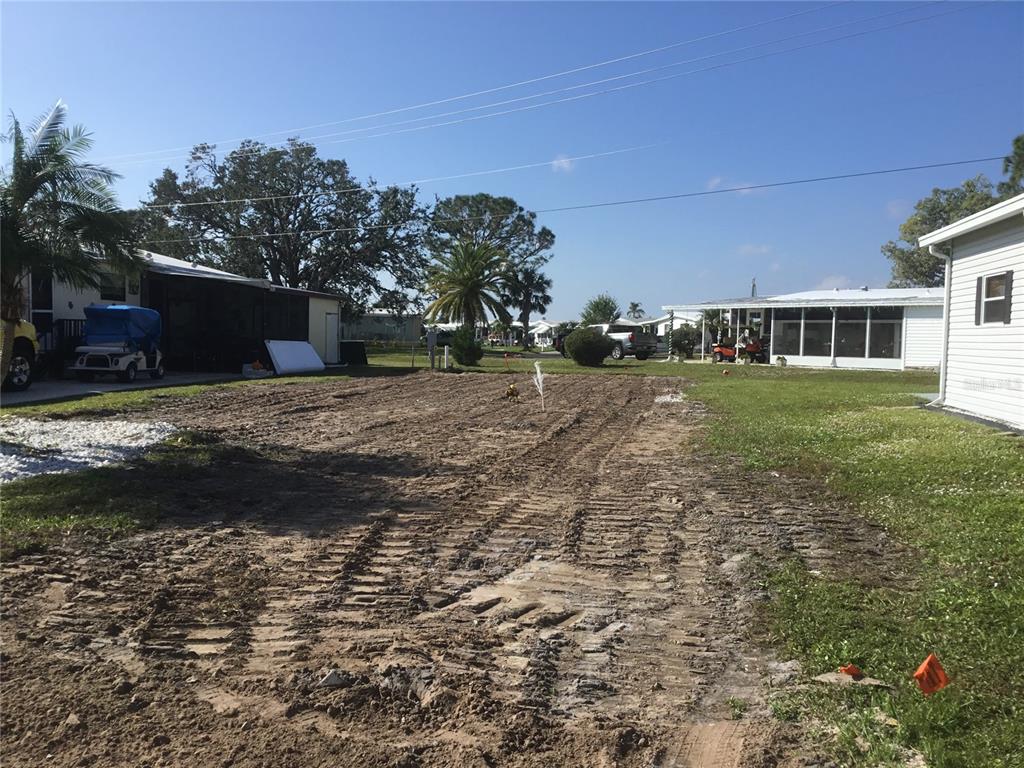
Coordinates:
[51,390]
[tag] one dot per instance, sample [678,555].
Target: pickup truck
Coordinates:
[629,340]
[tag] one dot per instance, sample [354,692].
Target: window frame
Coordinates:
[988,301]
[113,277]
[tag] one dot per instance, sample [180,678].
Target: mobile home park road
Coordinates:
[492,585]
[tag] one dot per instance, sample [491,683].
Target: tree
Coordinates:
[1013,167]
[635,311]
[913,266]
[467,283]
[685,339]
[526,289]
[300,220]
[600,309]
[58,216]
[483,219]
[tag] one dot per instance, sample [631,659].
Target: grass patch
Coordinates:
[111,500]
[952,491]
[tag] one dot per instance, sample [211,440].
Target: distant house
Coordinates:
[212,320]
[886,328]
[983,341]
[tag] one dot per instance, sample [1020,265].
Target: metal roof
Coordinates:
[837,297]
[166,265]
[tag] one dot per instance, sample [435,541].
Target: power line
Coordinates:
[628,86]
[605,91]
[330,193]
[507,86]
[608,204]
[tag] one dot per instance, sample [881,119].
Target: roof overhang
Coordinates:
[996,213]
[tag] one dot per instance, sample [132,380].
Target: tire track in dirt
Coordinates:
[494,585]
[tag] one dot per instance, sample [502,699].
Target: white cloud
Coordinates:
[562,164]
[775,267]
[721,182]
[754,249]
[833,281]
[898,210]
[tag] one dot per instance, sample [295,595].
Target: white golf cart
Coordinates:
[122,340]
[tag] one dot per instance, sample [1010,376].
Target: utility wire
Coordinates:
[608,204]
[627,86]
[433,179]
[398,124]
[507,86]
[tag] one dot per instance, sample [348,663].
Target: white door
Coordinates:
[331,338]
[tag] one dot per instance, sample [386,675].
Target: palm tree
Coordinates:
[58,216]
[526,289]
[467,283]
[635,311]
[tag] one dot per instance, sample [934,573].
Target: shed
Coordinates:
[983,340]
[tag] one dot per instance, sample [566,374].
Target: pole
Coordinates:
[771,339]
[703,334]
[832,348]
[671,328]
[803,320]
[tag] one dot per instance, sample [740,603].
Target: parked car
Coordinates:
[120,339]
[23,358]
[629,340]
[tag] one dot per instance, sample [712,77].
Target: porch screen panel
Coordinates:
[818,332]
[886,333]
[787,332]
[851,331]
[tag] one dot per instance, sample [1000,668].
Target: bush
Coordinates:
[685,339]
[587,346]
[465,348]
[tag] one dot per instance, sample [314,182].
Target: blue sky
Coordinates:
[149,76]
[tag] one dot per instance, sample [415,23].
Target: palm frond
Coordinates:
[46,129]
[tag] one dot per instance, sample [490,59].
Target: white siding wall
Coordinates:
[985,367]
[922,339]
[70,304]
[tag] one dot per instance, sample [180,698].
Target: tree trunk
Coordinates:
[7,349]
[524,318]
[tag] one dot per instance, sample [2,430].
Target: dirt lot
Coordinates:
[493,586]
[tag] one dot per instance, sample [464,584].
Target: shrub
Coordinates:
[685,339]
[465,348]
[588,346]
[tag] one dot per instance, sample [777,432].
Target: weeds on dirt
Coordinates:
[107,500]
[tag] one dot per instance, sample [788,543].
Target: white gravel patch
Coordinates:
[29,447]
[670,397]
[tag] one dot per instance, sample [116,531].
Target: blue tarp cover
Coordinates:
[123,324]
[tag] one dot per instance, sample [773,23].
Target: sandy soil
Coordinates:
[492,585]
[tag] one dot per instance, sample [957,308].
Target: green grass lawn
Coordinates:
[950,491]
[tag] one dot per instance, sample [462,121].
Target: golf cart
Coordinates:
[726,352]
[122,340]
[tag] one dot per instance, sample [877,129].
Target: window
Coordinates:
[111,287]
[993,302]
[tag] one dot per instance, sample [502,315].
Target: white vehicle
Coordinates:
[122,340]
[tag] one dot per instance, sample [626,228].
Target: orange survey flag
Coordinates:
[852,670]
[930,676]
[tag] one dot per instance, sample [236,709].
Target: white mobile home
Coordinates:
[983,349]
[882,328]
